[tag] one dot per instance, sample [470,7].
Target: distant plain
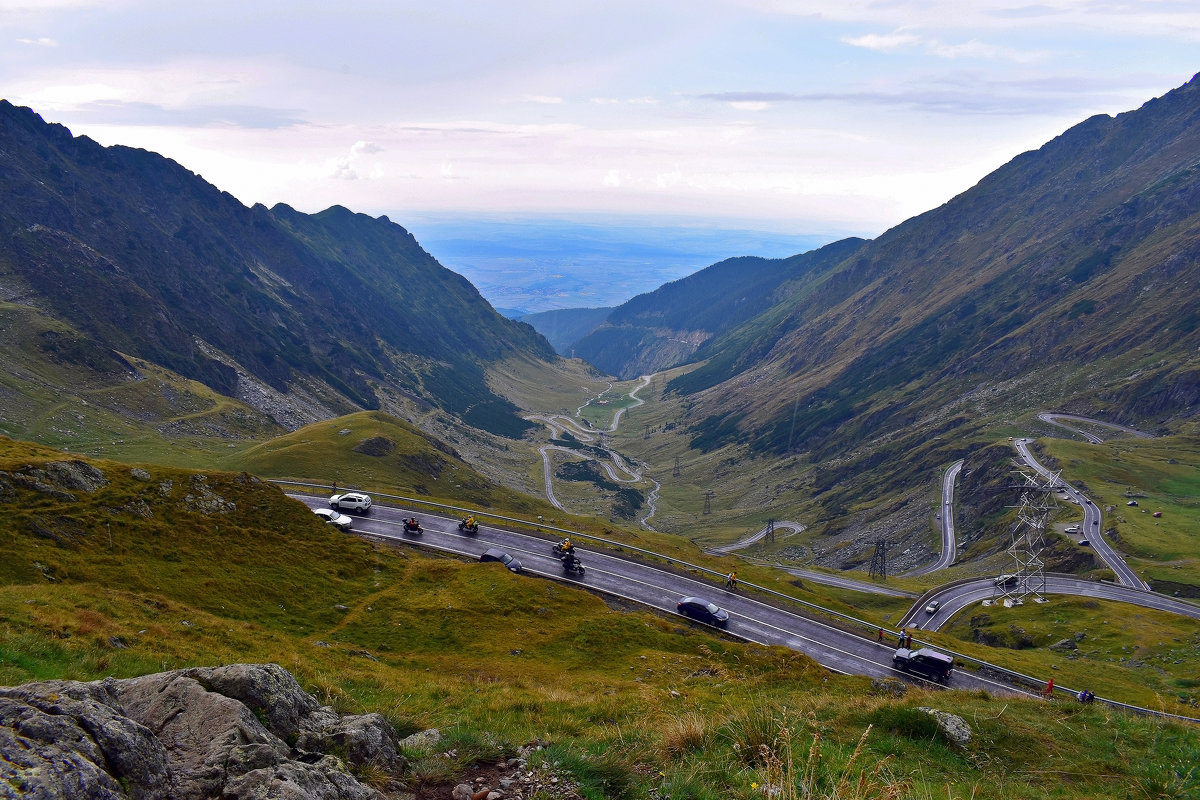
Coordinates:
[526,265]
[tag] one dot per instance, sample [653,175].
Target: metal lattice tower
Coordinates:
[676,472]
[1028,540]
[770,536]
[879,559]
[708,501]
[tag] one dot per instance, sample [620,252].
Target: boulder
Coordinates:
[953,727]
[191,734]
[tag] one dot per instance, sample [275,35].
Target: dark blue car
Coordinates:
[700,609]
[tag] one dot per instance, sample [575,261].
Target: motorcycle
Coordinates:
[564,548]
[463,527]
[412,526]
[572,565]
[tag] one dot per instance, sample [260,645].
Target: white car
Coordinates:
[1072,529]
[933,607]
[334,517]
[357,502]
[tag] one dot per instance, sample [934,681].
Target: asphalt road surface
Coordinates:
[751,619]
[1093,524]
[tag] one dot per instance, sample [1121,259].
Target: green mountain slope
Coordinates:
[665,327]
[119,570]
[1077,261]
[333,312]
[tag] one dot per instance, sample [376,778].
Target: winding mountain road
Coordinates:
[1093,523]
[615,466]
[949,543]
[751,618]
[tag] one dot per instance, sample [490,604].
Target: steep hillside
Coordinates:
[114,570]
[322,314]
[665,327]
[1065,280]
[1071,272]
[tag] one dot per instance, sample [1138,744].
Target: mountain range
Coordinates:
[1065,280]
[327,313]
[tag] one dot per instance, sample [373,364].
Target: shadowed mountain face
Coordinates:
[147,259]
[1067,278]
[666,327]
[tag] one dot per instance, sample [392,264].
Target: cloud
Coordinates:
[342,167]
[119,112]
[44,41]
[542,99]
[883,42]
[906,39]
[968,93]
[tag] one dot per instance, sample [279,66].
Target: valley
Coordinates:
[874,404]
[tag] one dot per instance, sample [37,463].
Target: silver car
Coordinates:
[335,518]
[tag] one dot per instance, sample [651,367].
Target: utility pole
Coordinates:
[1028,540]
[879,560]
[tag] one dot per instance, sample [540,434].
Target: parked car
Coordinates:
[498,555]
[357,502]
[700,609]
[1084,543]
[1072,529]
[933,607]
[334,517]
[930,663]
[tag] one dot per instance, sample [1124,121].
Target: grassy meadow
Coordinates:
[134,577]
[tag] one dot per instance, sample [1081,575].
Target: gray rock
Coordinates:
[422,741]
[362,738]
[192,734]
[75,475]
[952,726]
[139,474]
[463,791]
[889,686]
[65,739]
[1065,644]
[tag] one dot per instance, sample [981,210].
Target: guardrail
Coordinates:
[1015,677]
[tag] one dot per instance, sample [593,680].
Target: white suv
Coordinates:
[357,502]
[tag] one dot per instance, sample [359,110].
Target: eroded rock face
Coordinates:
[191,734]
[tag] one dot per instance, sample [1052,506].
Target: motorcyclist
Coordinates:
[470,521]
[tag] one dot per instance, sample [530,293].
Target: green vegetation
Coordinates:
[1162,476]
[133,576]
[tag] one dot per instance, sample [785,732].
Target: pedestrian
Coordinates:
[731,581]
[881,634]
[1049,690]
[333,488]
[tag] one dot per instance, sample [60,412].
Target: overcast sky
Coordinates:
[804,116]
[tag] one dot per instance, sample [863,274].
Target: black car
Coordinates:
[700,609]
[930,663]
[496,554]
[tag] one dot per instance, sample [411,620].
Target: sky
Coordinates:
[828,117]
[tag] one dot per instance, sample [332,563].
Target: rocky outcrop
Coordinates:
[953,727]
[243,730]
